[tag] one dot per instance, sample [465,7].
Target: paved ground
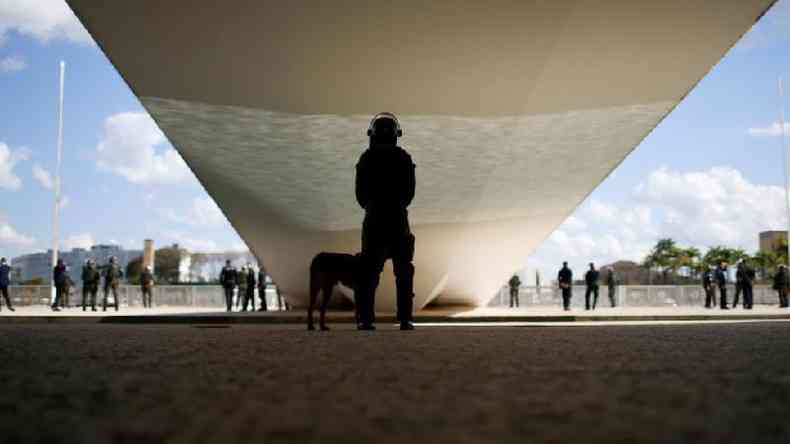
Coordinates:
[280,384]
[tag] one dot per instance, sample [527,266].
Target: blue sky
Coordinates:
[716,152]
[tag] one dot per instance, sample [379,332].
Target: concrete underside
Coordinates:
[276,384]
[513,110]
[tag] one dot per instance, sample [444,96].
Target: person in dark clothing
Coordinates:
[65,302]
[249,293]
[228,278]
[385,187]
[611,283]
[591,282]
[707,286]
[781,284]
[739,277]
[748,286]
[147,286]
[112,279]
[90,284]
[514,283]
[565,280]
[721,278]
[262,289]
[5,281]
[61,286]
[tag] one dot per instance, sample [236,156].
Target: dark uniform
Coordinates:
[514,284]
[611,283]
[227,278]
[262,289]
[565,280]
[748,286]
[249,294]
[112,279]
[707,285]
[241,282]
[61,285]
[90,285]
[780,285]
[591,281]
[721,281]
[147,288]
[5,281]
[385,186]
[739,277]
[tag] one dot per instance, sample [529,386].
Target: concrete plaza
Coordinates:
[709,382]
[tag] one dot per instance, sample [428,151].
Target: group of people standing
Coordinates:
[244,280]
[565,283]
[720,277]
[92,277]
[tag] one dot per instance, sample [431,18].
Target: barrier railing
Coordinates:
[132,296]
[630,296]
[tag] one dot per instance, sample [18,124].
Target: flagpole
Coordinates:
[56,211]
[784,151]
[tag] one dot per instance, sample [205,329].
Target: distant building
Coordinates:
[770,241]
[205,267]
[39,266]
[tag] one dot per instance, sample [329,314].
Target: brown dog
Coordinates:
[326,271]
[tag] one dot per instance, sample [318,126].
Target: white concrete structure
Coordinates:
[513,111]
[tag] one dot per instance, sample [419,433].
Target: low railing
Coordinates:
[132,296]
[630,296]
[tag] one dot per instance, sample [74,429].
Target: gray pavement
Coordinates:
[280,384]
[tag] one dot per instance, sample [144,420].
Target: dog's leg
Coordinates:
[314,287]
[327,290]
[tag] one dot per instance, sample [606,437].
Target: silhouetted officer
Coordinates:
[781,284]
[249,293]
[591,281]
[739,277]
[565,280]
[90,284]
[112,279]
[61,285]
[748,286]
[228,278]
[707,285]
[385,185]
[721,281]
[241,282]
[514,284]
[262,289]
[611,283]
[147,286]
[5,281]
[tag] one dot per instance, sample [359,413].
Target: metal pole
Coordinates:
[55,221]
[784,164]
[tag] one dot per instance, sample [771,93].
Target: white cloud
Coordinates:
[702,209]
[135,148]
[203,212]
[43,177]
[773,130]
[82,240]
[8,160]
[12,64]
[10,238]
[44,20]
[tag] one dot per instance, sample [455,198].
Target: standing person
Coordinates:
[611,283]
[112,279]
[780,285]
[739,278]
[282,303]
[262,289]
[241,283]
[249,294]
[147,286]
[514,284]
[83,277]
[90,284]
[565,280]
[748,286]
[707,286]
[721,277]
[66,301]
[591,282]
[59,278]
[385,187]
[5,281]
[228,278]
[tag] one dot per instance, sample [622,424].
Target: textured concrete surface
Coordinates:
[279,384]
